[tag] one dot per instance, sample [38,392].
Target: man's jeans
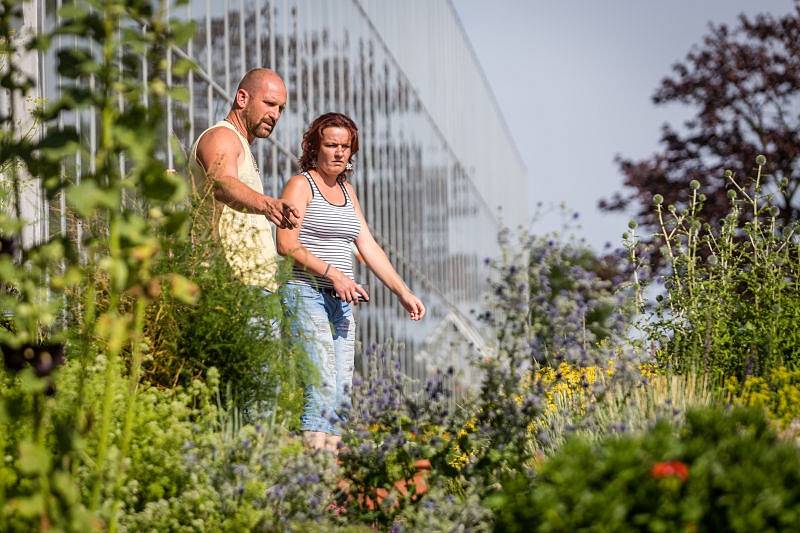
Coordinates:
[325,327]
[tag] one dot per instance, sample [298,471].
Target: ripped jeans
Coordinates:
[325,327]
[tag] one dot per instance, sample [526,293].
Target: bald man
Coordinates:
[223,167]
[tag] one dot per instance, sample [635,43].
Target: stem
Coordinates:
[105,169]
[669,247]
[637,282]
[115,341]
[691,245]
[133,384]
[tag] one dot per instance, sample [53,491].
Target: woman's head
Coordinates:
[341,129]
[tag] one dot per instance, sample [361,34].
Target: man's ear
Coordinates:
[242,97]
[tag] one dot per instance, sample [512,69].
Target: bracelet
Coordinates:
[325,274]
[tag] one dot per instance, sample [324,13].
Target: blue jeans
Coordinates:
[325,327]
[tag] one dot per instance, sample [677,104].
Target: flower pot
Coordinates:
[376,496]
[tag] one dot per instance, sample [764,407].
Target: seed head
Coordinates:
[761,160]
[632,224]
[658,199]
[694,184]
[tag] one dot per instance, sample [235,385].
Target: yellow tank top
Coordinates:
[246,238]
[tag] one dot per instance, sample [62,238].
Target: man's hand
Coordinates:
[281,213]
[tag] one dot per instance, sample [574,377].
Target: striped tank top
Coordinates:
[327,231]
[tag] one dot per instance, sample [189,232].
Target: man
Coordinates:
[225,174]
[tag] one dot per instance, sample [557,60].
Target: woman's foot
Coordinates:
[332,443]
[315,440]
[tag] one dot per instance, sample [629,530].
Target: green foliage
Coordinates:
[229,326]
[85,443]
[733,292]
[723,471]
[190,467]
[777,392]
[443,511]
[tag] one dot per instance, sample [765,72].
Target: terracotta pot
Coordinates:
[375,496]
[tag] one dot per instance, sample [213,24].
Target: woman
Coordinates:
[322,287]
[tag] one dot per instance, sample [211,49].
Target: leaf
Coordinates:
[184,289]
[33,459]
[159,183]
[83,24]
[66,486]
[175,222]
[57,144]
[183,66]
[29,507]
[76,62]
[72,98]
[72,11]
[179,93]
[182,30]
[30,383]
[88,196]
[40,42]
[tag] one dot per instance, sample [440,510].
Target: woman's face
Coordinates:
[334,150]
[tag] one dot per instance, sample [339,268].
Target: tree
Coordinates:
[745,86]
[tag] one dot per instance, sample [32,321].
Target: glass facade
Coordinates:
[436,159]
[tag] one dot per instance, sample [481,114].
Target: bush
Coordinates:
[570,297]
[733,291]
[229,327]
[722,471]
[778,393]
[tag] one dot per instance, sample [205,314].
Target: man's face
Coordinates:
[264,107]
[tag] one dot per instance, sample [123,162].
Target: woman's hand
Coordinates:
[412,304]
[347,289]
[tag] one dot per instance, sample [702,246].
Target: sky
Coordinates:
[574,80]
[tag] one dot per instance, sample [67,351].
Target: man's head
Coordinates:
[259,102]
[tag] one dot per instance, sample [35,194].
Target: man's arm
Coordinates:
[218,152]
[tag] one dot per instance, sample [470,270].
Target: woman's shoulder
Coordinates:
[298,185]
[301,178]
[346,183]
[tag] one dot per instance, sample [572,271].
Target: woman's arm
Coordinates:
[298,193]
[377,261]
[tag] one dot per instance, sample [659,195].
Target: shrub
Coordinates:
[231,327]
[777,392]
[722,471]
[733,291]
[571,299]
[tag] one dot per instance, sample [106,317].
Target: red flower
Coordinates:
[670,469]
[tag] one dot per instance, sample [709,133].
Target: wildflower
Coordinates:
[337,510]
[668,469]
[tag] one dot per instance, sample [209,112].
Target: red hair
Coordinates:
[312,138]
